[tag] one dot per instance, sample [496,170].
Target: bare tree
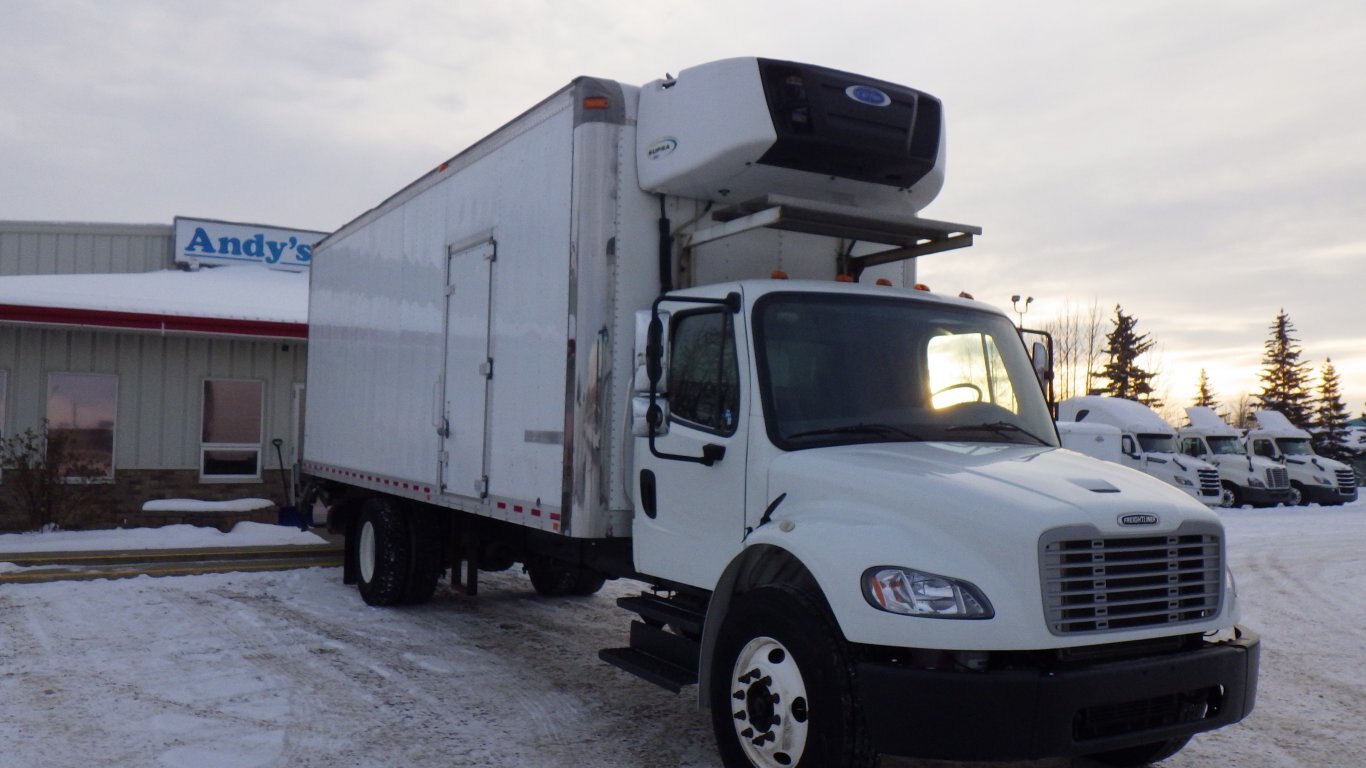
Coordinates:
[1077,342]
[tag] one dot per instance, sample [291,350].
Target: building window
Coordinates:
[80,424]
[230,445]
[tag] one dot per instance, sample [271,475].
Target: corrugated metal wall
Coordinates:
[161,386]
[41,248]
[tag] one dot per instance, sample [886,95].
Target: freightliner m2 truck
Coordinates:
[669,333]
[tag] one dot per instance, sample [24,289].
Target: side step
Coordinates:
[665,658]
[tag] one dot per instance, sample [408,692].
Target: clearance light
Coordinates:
[964,295]
[596,102]
[922,287]
[778,274]
[884,281]
[843,279]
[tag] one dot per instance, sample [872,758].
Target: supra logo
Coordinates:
[661,148]
[1138,518]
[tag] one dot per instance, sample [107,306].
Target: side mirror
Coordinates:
[651,369]
[1043,365]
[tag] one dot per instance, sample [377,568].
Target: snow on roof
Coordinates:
[253,299]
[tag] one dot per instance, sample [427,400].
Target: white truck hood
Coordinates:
[971,511]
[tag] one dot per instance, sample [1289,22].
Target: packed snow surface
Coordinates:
[293,669]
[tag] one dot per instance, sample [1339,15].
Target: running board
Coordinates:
[667,659]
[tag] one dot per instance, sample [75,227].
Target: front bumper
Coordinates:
[1264,497]
[1329,494]
[1027,714]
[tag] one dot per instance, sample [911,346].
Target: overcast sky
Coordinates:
[1201,163]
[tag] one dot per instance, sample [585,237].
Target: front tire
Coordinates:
[1229,498]
[1296,495]
[782,691]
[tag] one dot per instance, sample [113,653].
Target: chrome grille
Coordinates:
[1209,482]
[1346,479]
[1277,477]
[1108,584]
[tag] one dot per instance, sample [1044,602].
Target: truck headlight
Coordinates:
[1322,480]
[915,593]
[1183,481]
[1255,483]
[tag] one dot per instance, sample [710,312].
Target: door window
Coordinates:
[703,385]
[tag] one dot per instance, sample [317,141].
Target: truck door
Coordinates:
[690,515]
[468,369]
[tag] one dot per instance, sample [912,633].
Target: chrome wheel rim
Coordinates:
[769,704]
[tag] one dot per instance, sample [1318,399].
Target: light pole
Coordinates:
[1015,301]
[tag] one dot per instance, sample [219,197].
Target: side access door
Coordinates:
[468,369]
[690,477]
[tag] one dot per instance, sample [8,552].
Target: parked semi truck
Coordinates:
[668,333]
[1146,443]
[1313,478]
[1243,477]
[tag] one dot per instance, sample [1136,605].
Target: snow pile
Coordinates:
[166,537]
[246,292]
[195,505]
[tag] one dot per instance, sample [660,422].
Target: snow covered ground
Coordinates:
[292,669]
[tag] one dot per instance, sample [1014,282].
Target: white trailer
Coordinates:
[1313,478]
[1244,478]
[1146,443]
[572,346]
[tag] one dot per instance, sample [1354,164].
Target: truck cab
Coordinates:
[1313,478]
[1243,478]
[1146,443]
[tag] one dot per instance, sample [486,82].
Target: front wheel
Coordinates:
[1296,495]
[782,691]
[1229,497]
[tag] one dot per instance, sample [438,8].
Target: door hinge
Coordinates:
[486,368]
[445,457]
[483,487]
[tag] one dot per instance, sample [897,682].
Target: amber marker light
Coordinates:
[596,102]
[883,281]
[778,274]
[922,287]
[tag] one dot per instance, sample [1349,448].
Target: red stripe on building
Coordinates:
[140,321]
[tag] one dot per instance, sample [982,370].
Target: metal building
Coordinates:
[160,373]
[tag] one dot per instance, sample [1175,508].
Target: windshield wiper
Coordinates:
[999,427]
[882,430]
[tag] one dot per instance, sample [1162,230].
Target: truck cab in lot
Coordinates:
[672,333]
[1243,477]
[1313,478]
[1146,443]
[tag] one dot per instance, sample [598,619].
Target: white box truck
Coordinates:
[571,347]
[1147,443]
[1313,478]
[1244,478]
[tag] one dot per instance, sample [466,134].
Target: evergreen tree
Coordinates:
[1123,376]
[1285,378]
[1204,395]
[1330,414]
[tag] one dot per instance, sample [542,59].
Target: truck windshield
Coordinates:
[1295,446]
[1157,443]
[840,369]
[1225,446]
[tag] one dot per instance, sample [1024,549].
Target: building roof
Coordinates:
[246,300]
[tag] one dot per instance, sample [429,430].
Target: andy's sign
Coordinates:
[204,241]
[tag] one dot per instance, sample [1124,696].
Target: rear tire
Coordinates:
[782,687]
[383,553]
[1142,755]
